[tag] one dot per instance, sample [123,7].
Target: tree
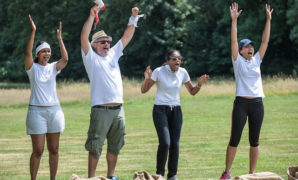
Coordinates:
[199,29]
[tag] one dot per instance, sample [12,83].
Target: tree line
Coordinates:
[200,29]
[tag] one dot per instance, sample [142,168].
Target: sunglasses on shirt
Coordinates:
[103,41]
[174,58]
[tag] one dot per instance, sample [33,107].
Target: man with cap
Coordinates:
[107,115]
[249,91]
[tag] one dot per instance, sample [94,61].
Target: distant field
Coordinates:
[19,93]
[205,132]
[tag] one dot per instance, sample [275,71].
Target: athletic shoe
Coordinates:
[173,178]
[225,176]
[113,178]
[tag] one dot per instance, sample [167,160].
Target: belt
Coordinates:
[108,107]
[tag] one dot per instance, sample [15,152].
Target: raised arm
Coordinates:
[234,42]
[148,82]
[87,29]
[64,56]
[266,33]
[130,29]
[28,54]
[193,90]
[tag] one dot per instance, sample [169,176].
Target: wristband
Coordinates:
[134,20]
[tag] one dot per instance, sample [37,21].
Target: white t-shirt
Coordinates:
[248,76]
[104,75]
[168,85]
[43,84]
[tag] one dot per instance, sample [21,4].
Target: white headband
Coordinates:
[42,46]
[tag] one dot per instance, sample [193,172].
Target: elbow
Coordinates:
[65,59]
[234,40]
[193,92]
[143,91]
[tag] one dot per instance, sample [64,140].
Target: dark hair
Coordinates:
[170,52]
[39,43]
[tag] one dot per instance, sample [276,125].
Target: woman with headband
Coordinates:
[45,118]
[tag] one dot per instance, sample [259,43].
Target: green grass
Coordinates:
[4,85]
[205,134]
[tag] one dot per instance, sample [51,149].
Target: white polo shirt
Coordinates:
[248,76]
[104,75]
[169,84]
[43,84]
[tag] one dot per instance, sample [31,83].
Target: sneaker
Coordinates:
[113,178]
[225,175]
[173,178]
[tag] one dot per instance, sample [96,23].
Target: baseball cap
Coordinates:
[245,42]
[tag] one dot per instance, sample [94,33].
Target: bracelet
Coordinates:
[134,20]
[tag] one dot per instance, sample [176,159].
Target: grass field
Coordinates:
[205,131]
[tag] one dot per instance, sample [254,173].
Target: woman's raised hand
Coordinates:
[203,79]
[59,31]
[148,73]
[32,23]
[268,11]
[234,11]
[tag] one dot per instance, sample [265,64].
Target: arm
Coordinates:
[63,61]
[130,29]
[193,90]
[266,33]
[148,82]
[87,29]
[234,42]
[28,54]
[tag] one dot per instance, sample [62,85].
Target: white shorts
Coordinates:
[42,120]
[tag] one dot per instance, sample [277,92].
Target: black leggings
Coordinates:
[168,123]
[243,108]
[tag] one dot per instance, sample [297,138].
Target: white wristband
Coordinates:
[134,20]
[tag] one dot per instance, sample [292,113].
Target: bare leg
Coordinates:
[253,158]
[92,164]
[111,160]
[53,148]
[231,152]
[38,141]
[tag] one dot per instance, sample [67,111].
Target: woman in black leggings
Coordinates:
[249,91]
[167,115]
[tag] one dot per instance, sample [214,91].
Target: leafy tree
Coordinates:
[199,29]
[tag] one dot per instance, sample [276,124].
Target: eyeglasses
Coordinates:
[174,58]
[103,41]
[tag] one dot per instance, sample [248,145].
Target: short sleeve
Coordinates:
[154,75]
[258,58]
[87,58]
[118,49]
[30,71]
[55,68]
[186,77]
[237,59]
